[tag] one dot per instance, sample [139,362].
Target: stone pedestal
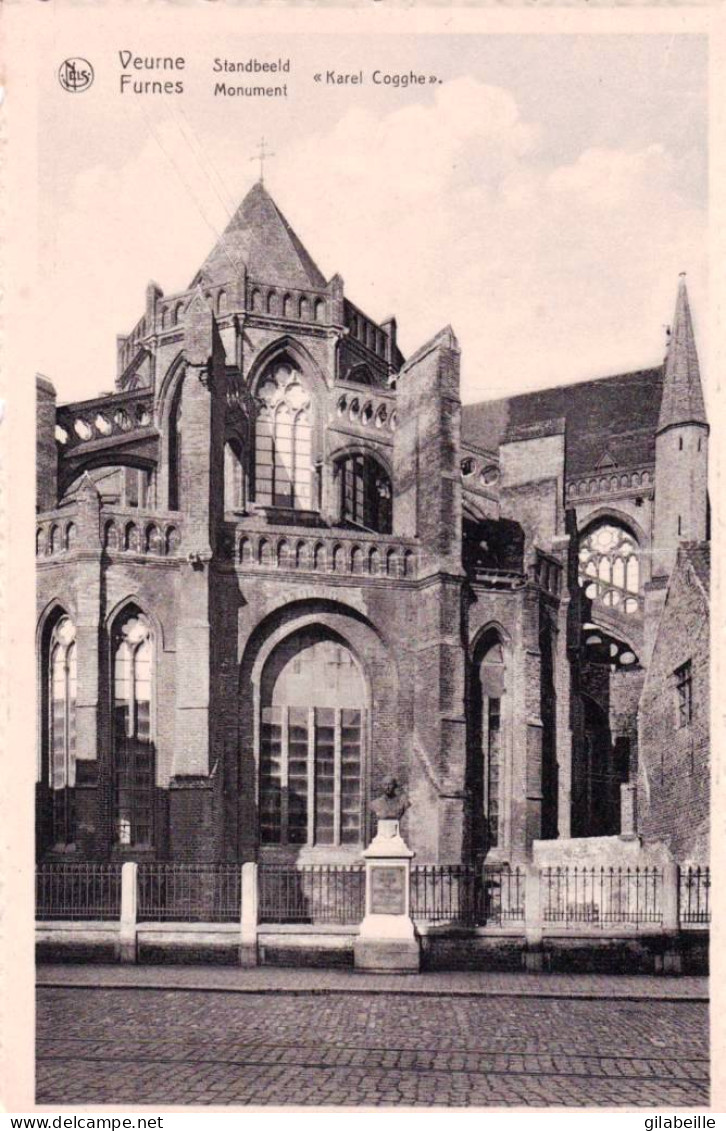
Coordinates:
[387,942]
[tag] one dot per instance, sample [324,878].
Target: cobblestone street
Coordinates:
[172,1046]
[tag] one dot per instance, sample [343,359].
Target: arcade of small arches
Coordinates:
[131,537]
[287,304]
[366,413]
[334,557]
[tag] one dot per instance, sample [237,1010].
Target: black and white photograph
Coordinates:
[371,703]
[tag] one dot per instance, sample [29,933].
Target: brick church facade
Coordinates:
[281,561]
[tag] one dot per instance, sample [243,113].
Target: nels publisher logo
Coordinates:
[75,75]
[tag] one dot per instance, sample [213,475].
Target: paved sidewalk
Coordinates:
[268,979]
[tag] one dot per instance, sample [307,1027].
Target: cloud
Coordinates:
[444,209]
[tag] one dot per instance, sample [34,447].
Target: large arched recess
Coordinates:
[380,678]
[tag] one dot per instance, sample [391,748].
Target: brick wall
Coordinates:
[674,781]
[46,455]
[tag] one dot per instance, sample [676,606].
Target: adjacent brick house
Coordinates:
[281,561]
[674,778]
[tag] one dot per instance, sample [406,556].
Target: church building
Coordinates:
[281,561]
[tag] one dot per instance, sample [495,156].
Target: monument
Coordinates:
[387,941]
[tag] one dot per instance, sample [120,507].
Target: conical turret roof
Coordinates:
[682,401]
[259,237]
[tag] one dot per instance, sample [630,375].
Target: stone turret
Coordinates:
[681,475]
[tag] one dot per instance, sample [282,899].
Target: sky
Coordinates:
[542,198]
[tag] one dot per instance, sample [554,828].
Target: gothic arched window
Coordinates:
[609,567]
[133,748]
[312,736]
[175,447]
[283,439]
[491,674]
[62,672]
[365,494]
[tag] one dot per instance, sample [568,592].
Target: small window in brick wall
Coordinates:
[365,494]
[684,694]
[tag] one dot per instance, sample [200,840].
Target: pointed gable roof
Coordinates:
[259,236]
[682,401]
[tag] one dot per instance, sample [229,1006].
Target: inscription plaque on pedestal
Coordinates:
[388,890]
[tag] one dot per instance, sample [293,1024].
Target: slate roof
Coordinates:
[259,236]
[682,393]
[613,417]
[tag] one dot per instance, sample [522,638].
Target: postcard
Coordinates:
[364,363]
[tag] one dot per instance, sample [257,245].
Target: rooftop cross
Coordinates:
[260,156]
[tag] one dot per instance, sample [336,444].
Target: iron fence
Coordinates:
[503,892]
[694,903]
[189,893]
[78,891]
[602,896]
[311,893]
[443,892]
[462,893]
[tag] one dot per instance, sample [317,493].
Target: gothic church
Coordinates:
[282,561]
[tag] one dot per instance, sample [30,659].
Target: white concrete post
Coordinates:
[248,916]
[127,934]
[533,918]
[669,897]
[628,810]
[672,959]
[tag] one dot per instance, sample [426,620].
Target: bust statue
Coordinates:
[392,803]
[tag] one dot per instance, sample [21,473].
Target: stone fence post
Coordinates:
[248,915]
[533,919]
[129,896]
[628,810]
[671,960]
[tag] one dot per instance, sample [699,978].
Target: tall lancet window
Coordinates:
[283,439]
[134,769]
[62,728]
[492,691]
[175,448]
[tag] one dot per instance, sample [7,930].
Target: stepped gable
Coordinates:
[259,237]
[614,415]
